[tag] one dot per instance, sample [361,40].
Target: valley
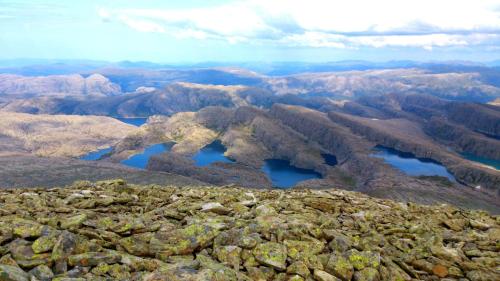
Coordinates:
[394,133]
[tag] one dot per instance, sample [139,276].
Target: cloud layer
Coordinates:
[327,23]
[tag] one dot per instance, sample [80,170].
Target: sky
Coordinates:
[167,31]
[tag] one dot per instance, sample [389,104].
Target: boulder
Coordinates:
[271,254]
[12,273]
[93,259]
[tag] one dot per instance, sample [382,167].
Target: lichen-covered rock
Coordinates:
[321,275]
[340,267]
[303,249]
[339,241]
[62,278]
[271,254]
[455,224]
[446,253]
[230,255]
[116,231]
[360,260]
[25,228]
[22,252]
[366,274]
[93,259]
[264,273]
[215,207]
[248,242]
[73,222]
[42,272]
[12,273]
[8,260]
[119,272]
[295,278]
[183,241]
[299,268]
[44,244]
[64,246]
[137,245]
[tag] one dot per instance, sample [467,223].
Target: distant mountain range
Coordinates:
[137,92]
[32,67]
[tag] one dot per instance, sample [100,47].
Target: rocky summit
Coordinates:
[115,231]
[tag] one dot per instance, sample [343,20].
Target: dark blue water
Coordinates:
[486,161]
[96,155]
[409,164]
[284,175]
[141,160]
[134,121]
[211,153]
[330,159]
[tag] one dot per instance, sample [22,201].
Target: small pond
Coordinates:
[211,153]
[136,121]
[485,161]
[140,160]
[96,155]
[330,159]
[284,175]
[411,165]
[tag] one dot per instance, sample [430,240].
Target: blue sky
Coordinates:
[250,30]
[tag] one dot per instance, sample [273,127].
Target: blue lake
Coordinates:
[96,155]
[140,160]
[139,121]
[211,153]
[409,164]
[486,161]
[284,175]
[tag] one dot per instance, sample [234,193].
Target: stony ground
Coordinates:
[114,231]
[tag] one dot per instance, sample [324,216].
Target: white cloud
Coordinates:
[328,23]
[427,41]
[104,14]
[316,39]
[192,33]
[142,25]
